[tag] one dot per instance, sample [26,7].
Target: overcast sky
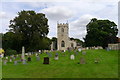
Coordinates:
[77,12]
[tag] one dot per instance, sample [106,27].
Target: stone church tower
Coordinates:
[62,36]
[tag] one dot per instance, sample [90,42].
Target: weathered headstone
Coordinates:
[15,62]
[76,53]
[72,57]
[107,49]
[24,61]
[79,49]
[82,60]
[49,54]
[37,58]
[29,58]
[56,57]
[5,62]
[84,53]
[46,60]
[7,58]
[10,60]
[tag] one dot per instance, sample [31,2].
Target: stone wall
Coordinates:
[114,46]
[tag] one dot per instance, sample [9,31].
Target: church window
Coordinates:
[62,44]
[71,44]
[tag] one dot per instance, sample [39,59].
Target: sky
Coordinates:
[77,13]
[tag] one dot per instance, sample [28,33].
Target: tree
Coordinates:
[31,28]
[100,33]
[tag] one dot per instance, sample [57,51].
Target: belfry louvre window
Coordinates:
[62,30]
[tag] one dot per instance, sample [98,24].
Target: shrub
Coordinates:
[11,52]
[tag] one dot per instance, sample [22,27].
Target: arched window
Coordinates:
[62,30]
[62,44]
[71,44]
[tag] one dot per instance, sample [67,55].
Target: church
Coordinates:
[63,39]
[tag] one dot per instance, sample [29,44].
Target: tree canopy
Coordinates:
[29,29]
[100,33]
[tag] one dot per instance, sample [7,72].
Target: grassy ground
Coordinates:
[66,68]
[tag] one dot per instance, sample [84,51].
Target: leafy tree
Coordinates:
[30,27]
[100,33]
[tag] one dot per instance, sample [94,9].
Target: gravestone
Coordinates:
[49,54]
[46,60]
[82,60]
[29,58]
[56,57]
[15,62]
[36,54]
[7,58]
[72,57]
[10,60]
[76,53]
[79,50]
[107,49]
[84,53]
[37,58]
[24,61]
[5,62]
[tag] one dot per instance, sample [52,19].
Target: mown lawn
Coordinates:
[66,68]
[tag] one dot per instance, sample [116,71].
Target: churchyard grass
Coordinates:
[66,68]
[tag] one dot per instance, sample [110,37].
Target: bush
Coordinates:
[11,52]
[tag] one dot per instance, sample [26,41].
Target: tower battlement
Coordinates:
[62,24]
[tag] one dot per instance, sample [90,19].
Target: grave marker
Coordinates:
[82,60]
[46,60]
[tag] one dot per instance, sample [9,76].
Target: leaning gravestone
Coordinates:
[56,57]
[82,60]
[46,60]
[72,57]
